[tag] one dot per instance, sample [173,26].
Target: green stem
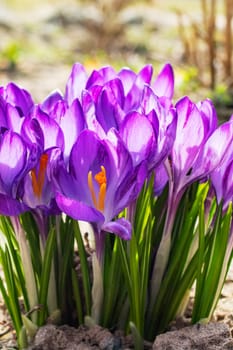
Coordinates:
[97,289]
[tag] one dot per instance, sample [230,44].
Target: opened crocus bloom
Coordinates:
[99,182]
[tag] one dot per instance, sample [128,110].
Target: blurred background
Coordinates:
[40,41]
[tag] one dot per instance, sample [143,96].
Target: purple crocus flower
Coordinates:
[221,178]
[131,82]
[17,97]
[79,81]
[15,160]
[43,133]
[199,146]
[163,117]
[222,183]
[198,149]
[70,119]
[26,156]
[15,104]
[40,135]
[99,183]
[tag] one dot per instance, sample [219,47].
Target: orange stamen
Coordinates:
[101,179]
[102,195]
[101,176]
[91,188]
[38,179]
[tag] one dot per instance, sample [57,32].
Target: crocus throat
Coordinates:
[39,177]
[101,179]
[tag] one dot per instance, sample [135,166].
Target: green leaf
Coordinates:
[45,274]
[214,266]
[10,293]
[33,236]
[77,297]
[137,338]
[84,268]
[113,284]
[177,279]
[6,228]
[65,260]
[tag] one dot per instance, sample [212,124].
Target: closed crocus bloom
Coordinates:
[79,81]
[133,85]
[17,97]
[163,117]
[14,163]
[25,182]
[51,102]
[198,149]
[43,133]
[199,146]
[15,104]
[221,177]
[222,182]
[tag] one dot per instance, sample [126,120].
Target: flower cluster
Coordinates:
[86,153]
[95,154]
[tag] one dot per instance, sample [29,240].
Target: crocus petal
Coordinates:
[90,115]
[120,227]
[107,73]
[58,111]
[117,91]
[144,76]
[161,179]
[14,120]
[209,116]
[53,135]
[150,101]
[217,147]
[100,77]
[222,182]
[12,159]
[18,97]
[32,133]
[228,184]
[72,123]
[127,77]
[138,134]
[76,83]
[105,112]
[10,206]
[3,120]
[51,100]
[89,153]
[78,210]
[133,98]
[164,83]
[217,182]
[189,136]
[110,99]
